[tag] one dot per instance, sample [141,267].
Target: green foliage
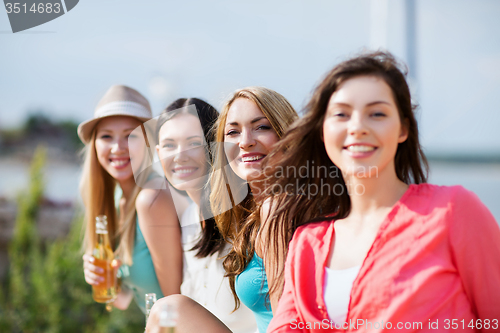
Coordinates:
[36,121]
[45,289]
[70,127]
[61,134]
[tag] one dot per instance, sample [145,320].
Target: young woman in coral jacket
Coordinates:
[374,247]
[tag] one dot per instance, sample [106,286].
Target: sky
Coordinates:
[207,49]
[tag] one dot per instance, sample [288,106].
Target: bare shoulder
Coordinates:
[150,197]
[154,190]
[155,205]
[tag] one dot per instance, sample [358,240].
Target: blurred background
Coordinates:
[52,76]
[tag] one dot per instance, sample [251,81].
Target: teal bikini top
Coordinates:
[141,276]
[252,289]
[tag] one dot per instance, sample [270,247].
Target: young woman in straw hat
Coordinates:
[376,247]
[142,223]
[250,123]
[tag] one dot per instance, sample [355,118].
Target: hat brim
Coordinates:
[86,128]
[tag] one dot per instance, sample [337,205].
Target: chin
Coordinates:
[360,171]
[122,177]
[186,185]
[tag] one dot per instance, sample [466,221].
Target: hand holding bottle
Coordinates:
[93,273]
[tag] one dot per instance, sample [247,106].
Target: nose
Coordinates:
[247,139]
[181,155]
[357,125]
[119,146]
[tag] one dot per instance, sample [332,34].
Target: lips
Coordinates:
[184,172]
[359,150]
[252,158]
[119,163]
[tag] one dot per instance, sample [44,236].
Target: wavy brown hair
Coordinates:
[236,215]
[302,147]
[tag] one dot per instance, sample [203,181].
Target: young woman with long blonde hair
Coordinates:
[142,223]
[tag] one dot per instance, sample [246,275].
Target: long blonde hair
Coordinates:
[236,216]
[97,189]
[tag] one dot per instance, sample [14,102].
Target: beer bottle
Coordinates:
[106,291]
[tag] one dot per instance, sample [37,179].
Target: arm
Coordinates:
[160,227]
[475,245]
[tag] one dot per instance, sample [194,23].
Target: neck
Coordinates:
[195,195]
[127,187]
[369,195]
[257,184]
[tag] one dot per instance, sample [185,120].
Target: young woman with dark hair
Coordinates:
[185,149]
[375,246]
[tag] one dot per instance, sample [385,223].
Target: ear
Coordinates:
[403,133]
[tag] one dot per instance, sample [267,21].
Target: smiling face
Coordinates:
[248,138]
[182,154]
[362,127]
[112,145]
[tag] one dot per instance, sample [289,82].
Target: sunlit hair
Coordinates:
[303,146]
[236,217]
[211,240]
[97,189]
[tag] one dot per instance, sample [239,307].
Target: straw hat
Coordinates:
[118,101]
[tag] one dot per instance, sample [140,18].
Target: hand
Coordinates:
[93,273]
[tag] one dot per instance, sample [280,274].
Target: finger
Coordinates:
[92,278]
[88,257]
[93,268]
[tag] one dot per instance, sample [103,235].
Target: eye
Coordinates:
[264,127]
[339,114]
[105,136]
[232,133]
[378,114]
[168,145]
[195,144]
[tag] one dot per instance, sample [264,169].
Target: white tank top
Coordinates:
[337,291]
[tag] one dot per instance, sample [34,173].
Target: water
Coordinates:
[62,180]
[482,179]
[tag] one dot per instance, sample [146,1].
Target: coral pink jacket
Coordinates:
[434,267]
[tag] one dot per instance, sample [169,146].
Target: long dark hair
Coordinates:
[211,240]
[303,147]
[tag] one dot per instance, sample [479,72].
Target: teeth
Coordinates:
[184,170]
[119,162]
[251,158]
[360,149]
